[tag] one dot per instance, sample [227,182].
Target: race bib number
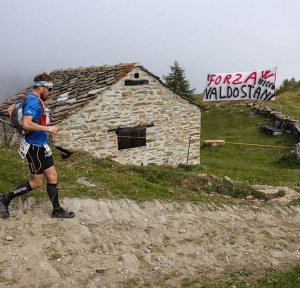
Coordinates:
[23,149]
[48,151]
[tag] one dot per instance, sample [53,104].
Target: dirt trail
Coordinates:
[122,243]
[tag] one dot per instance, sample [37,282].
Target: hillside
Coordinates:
[157,226]
[288,103]
[236,123]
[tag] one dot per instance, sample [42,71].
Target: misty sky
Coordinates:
[203,36]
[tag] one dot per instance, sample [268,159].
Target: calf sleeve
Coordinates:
[53,195]
[19,190]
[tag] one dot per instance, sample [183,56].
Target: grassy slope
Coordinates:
[242,279]
[288,103]
[113,180]
[229,121]
[251,164]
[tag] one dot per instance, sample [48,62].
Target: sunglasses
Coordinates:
[49,89]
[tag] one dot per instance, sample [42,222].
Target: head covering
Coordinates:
[43,83]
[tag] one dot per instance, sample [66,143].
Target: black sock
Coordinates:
[19,190]
[53,195]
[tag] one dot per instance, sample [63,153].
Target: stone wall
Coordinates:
[290,124]
[174,135]
[7,133]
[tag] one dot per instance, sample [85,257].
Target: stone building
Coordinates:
[124,112]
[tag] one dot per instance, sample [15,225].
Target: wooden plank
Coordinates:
[214,143]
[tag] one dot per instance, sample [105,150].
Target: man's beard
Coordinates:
[43,97]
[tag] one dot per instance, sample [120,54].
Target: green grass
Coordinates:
[242,279]
[287,103]
[247,164]
[250,164]
[113,180]
[233,122]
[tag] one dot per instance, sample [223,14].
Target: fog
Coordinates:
[203,36]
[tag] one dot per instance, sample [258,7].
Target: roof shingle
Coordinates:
[75,87]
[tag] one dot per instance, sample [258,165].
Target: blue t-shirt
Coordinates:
[32,107]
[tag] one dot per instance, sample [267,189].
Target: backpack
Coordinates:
[16,116]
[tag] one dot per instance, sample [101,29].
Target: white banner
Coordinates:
[254,85]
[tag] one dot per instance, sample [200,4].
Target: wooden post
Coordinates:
[187,159]
[297,150]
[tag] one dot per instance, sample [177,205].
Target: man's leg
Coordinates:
[52,191]
[34,183]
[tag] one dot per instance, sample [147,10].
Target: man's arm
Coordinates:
[28,124]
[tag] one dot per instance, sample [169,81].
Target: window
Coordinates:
[136,82]
[131,137]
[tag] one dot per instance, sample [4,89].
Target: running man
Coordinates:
[34,147]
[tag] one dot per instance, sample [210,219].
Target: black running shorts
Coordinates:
[37,160]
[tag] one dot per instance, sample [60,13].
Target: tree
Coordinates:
[288,85]
[177,81]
